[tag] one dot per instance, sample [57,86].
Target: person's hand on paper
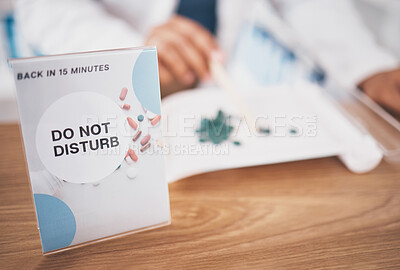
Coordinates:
[384,88]
[184,48]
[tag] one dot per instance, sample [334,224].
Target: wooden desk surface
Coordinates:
[303,215]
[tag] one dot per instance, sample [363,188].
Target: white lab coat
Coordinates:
[332,30]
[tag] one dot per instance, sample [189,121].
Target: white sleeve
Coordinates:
[334,32]
[64,26]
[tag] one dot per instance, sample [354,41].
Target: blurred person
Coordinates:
[188,32]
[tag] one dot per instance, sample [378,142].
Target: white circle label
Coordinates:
[80,137]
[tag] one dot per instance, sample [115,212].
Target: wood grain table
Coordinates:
[311,214]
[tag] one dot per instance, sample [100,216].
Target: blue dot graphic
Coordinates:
[56,222]
[145,80]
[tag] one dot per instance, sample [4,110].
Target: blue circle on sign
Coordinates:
[145,80]
[56,222]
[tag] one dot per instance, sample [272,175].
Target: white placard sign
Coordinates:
[90,124]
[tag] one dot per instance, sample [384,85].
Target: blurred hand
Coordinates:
[184,48]
[384,88]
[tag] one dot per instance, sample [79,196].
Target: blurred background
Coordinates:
[381,17]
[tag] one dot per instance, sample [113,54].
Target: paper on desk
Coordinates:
[280,108]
